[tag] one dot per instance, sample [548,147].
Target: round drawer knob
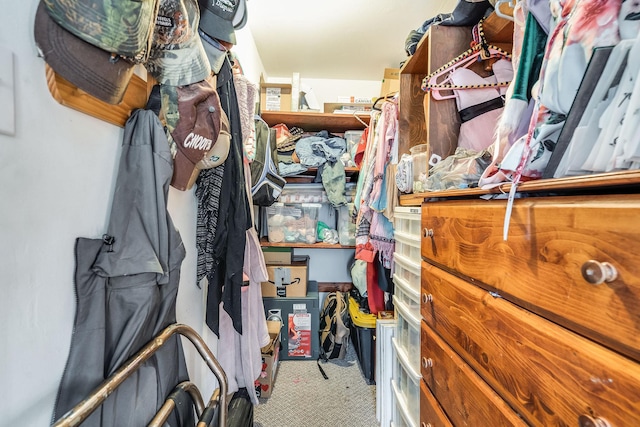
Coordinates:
[427,362]
[427,298]
[427,232]
[596,272]
[589,421]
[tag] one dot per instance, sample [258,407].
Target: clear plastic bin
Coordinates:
[346,227]
[303,193]
[407,245]
[353,138]
[407,336]
[405,294]
[408,270]
[407,383]
[407,220]
[292,223]
[401,412]
[420,166]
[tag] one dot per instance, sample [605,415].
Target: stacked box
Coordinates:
[270,352]
[287,280]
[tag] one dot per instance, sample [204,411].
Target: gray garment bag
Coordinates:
[126,286]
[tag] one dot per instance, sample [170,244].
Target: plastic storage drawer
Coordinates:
[363,336]
[406,295]
[408,270]
[402,416]
[408,334]
[407,383]
[407,220]
[407,245]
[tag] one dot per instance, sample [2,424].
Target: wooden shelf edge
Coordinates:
[320,245]
[334,286]
[70,96]
[572,183]
[315,122]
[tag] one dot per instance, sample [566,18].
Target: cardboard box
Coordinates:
[288,280]
[270,358]
[275,96]
[276,255]
[390,82]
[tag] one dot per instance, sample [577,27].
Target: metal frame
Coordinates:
[82,410]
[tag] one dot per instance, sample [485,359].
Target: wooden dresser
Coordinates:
[542,329]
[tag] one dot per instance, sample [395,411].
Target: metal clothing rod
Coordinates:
[82,410]
[169,405]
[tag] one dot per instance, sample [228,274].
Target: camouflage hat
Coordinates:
[218,17]
[123,27]
[197,128]
[101,74]
[177,56]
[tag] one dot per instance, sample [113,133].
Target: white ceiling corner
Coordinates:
[336,39]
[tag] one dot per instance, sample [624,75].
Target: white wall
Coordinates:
[328,90]
[57,176]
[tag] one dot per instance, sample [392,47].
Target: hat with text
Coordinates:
[123,27]
[218,17]
[195,120]
[177,56]
[101,74]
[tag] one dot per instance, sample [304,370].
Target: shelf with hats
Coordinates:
[71,96]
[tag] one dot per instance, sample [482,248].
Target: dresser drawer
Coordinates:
[539,267]
[549,374]
[463,395]
[431,414]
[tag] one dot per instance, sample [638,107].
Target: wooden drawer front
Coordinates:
[466,399]
[431,414]
[549,374]
[539,266]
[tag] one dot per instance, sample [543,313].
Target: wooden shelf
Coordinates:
[70,96]
[608,181]
[315,122]
[320,245]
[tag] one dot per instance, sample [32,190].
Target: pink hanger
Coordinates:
[432,84]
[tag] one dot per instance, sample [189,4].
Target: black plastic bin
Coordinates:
[363,338]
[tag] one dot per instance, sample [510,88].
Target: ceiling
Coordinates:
[336,39]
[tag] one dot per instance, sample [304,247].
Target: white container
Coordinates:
[353,138]
[408,334]
[420,166]
[292,223]
[407,220]
[407,245]
[408,270]
[408,385]
[346,227]
[406,295]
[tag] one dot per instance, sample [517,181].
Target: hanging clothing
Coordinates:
[126,287]
[223,218]
[241,356]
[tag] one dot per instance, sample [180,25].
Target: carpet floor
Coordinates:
[301,397]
